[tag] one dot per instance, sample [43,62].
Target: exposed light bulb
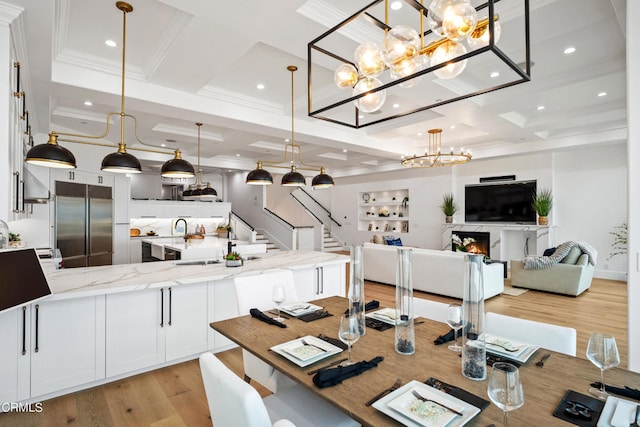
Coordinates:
[459,20]
[480,38]
[373,101]
[401,43]
[368,58]
[407,68]
[445,53]
[345,76]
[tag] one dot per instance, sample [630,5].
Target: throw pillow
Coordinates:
[572,256]
[391,241]
[548,252]
[378,239]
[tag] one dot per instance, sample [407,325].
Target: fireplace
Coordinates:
[479,246]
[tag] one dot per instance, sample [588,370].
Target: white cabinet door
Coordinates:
[223,304]
[67,345]
[187,326]
[14,355]
[121,199]
[121,240]
[332,280]
[135,250]
[304,280]
[134,330]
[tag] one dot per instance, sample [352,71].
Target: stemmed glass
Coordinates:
[602,352]
[349,333]
[505,388]
[278,296]
[454,320]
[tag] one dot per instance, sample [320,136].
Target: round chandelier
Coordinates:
[434,156]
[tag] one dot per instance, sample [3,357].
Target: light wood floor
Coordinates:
[174,396]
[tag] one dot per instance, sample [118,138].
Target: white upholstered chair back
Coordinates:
[256,292]
[433,310]
[553,337]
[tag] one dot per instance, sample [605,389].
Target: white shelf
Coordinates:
[381,203]
[383,218]
[384,199]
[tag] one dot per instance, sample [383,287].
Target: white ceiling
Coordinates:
[193,61]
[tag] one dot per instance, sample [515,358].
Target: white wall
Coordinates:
[279,201]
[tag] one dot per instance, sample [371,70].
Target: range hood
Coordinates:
[35,191]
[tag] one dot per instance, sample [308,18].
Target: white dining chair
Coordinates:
[233,402]
[255,292]
[552,337]
[433,310]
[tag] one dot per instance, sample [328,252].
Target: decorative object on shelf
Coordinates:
[542,203]
[259,176]
[619,245]
[370,227]
[384,212]
[53,155]
[419,62]
[233,259]
[449,207]
[404,332]
[405,227]
[434,156]
[461,245]
[366,197]
[199,192]
[386,227]
[474,353]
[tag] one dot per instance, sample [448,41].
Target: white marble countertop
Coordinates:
[92,281]
[208,247]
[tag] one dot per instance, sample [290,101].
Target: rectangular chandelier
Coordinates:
[386,62]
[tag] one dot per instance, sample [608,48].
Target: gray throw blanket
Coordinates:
[540,262]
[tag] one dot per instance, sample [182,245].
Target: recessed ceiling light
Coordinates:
[540,107]
[361,116]
[452,127]
[260,86]
[569,50]
[419,134]
[344,150]
[88,103]
[396,105]
[602,94]
[396,5]
[238,155]
[286,140]
[110,43]
[163,145]
[494,74]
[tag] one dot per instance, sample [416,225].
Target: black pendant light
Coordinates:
[121,162]
[208,192]
[293,178]
[322,180]
[177,167]
[259,176]
[200,192]
[51,155]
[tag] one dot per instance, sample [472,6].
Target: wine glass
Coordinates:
[505,388]
[454,320]
[602,352]
[349,333]
[278,296]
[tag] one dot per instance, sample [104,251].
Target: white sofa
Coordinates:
[437,272]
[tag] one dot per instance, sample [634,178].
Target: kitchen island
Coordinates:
[207,247]
[105,323]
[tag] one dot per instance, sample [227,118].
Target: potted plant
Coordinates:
[15,241]
[542,203]
[449,207]
[223,231]
[233,259]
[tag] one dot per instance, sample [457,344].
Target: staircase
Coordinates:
[271,247]
[331,244]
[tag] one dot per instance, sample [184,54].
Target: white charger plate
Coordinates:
[386,315]
[609,411]
[299,308]
[289,350]
[394,405]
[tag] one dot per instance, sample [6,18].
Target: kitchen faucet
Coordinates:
[230,245]
[185,227]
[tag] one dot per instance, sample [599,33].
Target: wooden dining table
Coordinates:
[544,387]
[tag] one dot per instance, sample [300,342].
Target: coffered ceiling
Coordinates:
[193,61]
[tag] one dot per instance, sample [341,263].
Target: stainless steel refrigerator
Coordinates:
[84,224]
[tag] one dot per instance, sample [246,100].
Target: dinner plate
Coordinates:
[386,315]
[522,355]
[617,412]
[299,308]
[399,404]
[302,355]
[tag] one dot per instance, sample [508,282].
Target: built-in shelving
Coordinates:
[384,211]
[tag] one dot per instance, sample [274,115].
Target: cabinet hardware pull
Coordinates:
[162,307]
[37,349]
[170,310]
[24,330]
[16,174]
[22,198]
[321,283]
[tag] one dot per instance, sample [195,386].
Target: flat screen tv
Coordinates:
[22,280]
[505,202]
